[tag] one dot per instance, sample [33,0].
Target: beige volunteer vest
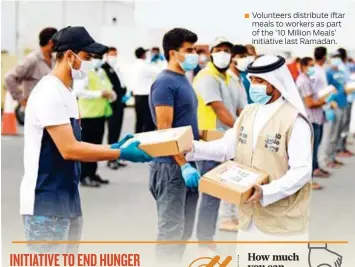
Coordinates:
[289,215]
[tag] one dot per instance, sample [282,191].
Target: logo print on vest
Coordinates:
[273,142]
[242,136]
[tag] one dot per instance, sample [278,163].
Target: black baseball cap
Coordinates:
[77,38]
[140,51]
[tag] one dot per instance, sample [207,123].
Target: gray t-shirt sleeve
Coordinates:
[209,89]
[241,101]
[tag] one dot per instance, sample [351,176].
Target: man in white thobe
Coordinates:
[273,136]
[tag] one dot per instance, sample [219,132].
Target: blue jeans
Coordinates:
[208,210]
[49,228]
[176,206]
[318,133]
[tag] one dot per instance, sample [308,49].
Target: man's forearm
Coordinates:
[13,86]
[316,104]
[180,159]
[87,152]
[224,115]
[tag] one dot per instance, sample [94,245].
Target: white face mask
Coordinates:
[112,60]
[221,59]
[96,63]
[82,72]
[241,63]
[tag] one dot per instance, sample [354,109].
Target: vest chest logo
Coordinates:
[272,143]
[111,70]
[243,136]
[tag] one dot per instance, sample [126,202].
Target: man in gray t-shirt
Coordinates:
[219,104]
[217,92]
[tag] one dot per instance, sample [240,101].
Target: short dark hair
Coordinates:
[46,35]
[343,53]
[239,50]
[140,52]
[156,48]
[320,52]
[111,48]
[175,38]
[297,59]
[305,61]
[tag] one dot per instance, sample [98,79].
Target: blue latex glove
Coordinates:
[190,175]
[121,142]
[125,98]
[134,154]
[329,114]
[331,98]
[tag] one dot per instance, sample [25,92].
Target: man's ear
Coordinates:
[172,53]
[69,54]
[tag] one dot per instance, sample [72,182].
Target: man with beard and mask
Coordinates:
[32,68]
[278,141]
[219,105]
[115,121]
[49,193]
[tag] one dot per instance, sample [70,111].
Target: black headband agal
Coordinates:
[264,69]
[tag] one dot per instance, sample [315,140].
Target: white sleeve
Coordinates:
[219,150]
[51,108]
[151,70]
[300,165]
[80,90]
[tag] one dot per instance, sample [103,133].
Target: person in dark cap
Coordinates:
[49,195]
[144,75]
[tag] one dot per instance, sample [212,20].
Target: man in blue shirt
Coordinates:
[335,127]
[173,181]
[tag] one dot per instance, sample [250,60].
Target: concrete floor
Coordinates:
[125,210]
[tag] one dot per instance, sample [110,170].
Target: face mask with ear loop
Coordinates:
[221,60]
[190,61]
[241,63]
[258,93]
[82,72]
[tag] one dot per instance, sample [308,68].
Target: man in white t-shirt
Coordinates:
[144,75]
[49,197]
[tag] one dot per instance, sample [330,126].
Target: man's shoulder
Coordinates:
[302,79]
[166,76]
[48,87]
[205,77]
[31,58]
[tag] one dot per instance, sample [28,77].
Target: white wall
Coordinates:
[33,16]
